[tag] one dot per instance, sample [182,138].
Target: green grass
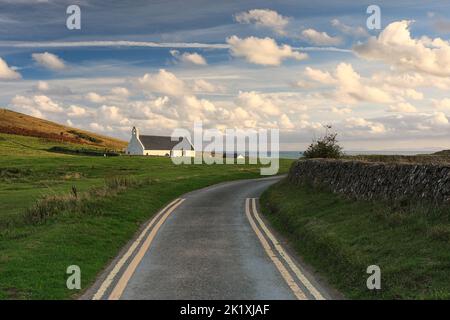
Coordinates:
[43,229]
[342,237]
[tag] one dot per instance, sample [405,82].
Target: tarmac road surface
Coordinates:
[211,243]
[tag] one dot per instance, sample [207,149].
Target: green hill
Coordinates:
[16,123]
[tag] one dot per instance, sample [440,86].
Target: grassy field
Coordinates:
[342,237]
[441,157]
[87,229]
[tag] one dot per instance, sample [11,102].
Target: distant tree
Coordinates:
[325,147]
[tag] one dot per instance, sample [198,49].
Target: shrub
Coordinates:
[325,147]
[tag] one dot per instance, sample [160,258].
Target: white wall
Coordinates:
[160,153]
[135,147]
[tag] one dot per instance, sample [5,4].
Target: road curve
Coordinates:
[209,244]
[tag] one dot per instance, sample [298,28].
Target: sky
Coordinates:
[293,65]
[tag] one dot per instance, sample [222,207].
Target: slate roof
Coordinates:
[162,143]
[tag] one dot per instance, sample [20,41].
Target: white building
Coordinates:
[159,146]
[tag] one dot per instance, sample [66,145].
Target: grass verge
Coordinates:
[88,233]
[58,210]
[342,237]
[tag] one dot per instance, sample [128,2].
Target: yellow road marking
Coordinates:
[281,268]
[109,279]
[123,281]
[286,257]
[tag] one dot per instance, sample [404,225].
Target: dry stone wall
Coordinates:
[368,180]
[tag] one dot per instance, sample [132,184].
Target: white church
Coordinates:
[158,146]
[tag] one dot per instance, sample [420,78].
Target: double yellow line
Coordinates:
[282,260]
[118,289]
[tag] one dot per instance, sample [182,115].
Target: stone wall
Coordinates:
[368,180]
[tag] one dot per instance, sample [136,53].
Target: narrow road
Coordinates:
[209,244]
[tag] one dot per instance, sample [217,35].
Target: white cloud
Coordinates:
[320,76]
[285,122]
[361,123]
[442,104]
[263,51]
[350,86]
[439,119]
[395,46]
[49,61]
[341,111]
[320,38]
[350,30]
[201,85]
[163,82]
[413,94]
[120,92]
[37,105]
[112,115]
[44,103]
[7,73]
[99,128]
[264,17]
[402,107]
[258,102]
[187,57]
[76,111]
[95,97]
[42,86]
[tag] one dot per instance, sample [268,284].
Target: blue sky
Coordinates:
[292,65]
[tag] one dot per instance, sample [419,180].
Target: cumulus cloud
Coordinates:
[341,111]
[42,86]
[120,92]
[76,111]
[37,105]
[264,17]
[350,87]
[258,102]
[442,104]
[358,32]
[402,107]
[439,118]
[95,97]
[395,46]
[45,103]
[201,85]
[112,115]
[100,128]
[163,82]
[263,51]
[320,38]
[361,123]
[8,73]
[323,77]
[49,61]
[188,57]
[285,122]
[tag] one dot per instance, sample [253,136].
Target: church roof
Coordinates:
[162,143]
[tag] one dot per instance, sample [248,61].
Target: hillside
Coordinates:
[442,153]
[20,124]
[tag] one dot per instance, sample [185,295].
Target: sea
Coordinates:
[297,154]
